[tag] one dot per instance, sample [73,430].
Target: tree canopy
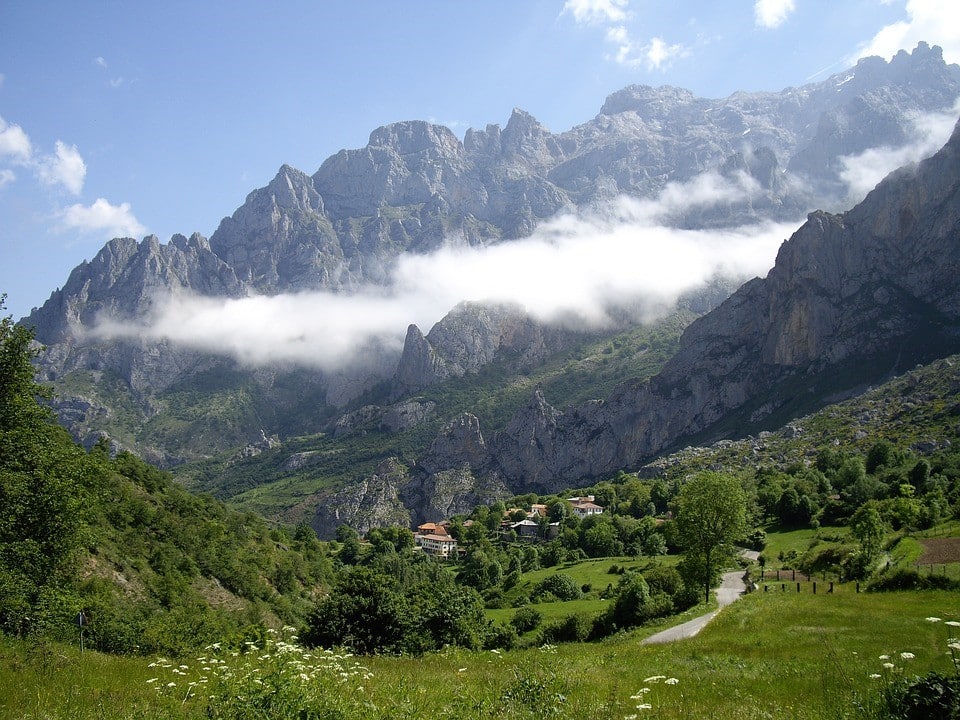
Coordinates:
[711,514]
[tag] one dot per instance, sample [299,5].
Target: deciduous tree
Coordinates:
[711,514]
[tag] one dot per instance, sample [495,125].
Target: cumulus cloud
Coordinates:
[6,177]
[933,21]
[654,54]
[15,145]
[928,133]
[772,13]
[574,269]
[103,218]
[64,167]
[596,11]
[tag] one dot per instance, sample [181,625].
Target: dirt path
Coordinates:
[730,589]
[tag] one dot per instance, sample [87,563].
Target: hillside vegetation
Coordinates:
[152,567]
[269,484]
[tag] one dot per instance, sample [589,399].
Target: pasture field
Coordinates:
[770,655]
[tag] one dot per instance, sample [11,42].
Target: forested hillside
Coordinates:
[153,567]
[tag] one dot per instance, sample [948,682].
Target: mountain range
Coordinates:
[853,297]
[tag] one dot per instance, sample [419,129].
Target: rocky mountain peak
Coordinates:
[419,365]
[525,138]
[416,136]
[647,101]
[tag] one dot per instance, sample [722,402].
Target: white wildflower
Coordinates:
[671,681]
[933,619]
[907,655]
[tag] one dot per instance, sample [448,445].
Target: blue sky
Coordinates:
[129,118]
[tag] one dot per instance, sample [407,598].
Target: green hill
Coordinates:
[153,567]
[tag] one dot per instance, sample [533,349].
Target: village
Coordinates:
[436,540]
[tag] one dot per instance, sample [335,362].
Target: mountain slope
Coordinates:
[416,187]
[852,298]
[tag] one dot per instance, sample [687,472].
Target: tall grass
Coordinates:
[770,655]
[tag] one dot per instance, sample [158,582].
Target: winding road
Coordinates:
[731,588]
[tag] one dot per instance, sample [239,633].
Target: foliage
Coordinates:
[45,485]
[559,586]
[371,612]
[710,517]
[152,567]
[526,619]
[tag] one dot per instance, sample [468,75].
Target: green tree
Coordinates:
[711,514]
[365,611]
[868,528]
[45,485]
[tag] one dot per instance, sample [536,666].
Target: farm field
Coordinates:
[776,655]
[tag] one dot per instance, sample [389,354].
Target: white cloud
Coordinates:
[596,11]
[654,55]
[64,167]
[659,54]
[936,22]
[575,268]
[772,13]
[930,132]
[102,217]
[6,177]
[15,145]
[100,61]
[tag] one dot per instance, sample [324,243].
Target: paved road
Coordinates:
[730,589]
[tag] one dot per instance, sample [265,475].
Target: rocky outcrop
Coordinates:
[472,336]
[372,502]
[852,298]
[407,414]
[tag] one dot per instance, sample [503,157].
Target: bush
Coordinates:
[904,579]
[664,579]
[573,628]
[561,586]
[501,637]
[526,619]
[932,696]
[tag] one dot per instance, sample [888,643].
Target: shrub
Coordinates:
[526,619]
[561,586]
[931,696]
[573,628]
[904,579]
[501,637]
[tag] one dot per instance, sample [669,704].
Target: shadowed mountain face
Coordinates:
[871,283]
[852,298]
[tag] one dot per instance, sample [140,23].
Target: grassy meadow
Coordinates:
[770,655]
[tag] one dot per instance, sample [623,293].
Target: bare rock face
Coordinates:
[407,414]
[372,502]
[450,492]
[879,282]
[420,366]
[470,337]
[459,444]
